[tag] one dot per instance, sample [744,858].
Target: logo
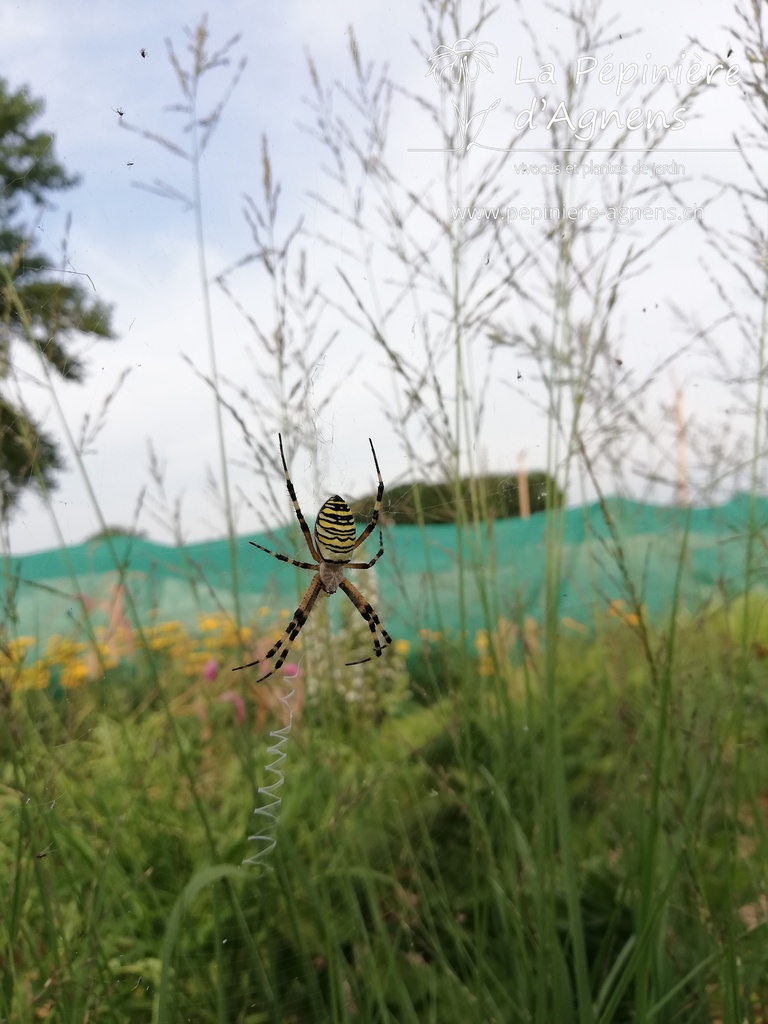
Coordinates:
[458,67]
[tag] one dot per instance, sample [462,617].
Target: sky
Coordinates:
[137,250]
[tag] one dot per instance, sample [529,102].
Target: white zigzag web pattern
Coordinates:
[271,809]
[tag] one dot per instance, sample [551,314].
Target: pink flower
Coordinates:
[211,669]
[291,671]
[86,601]
[230,697]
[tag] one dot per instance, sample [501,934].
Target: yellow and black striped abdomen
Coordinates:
[335,531]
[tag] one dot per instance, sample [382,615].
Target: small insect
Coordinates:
[729,53]
[130,163]
[118,110]
[331,549]
[143,52]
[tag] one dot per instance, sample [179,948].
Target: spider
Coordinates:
[331,549]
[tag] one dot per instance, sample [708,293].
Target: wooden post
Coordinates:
[524,494]
[682,469]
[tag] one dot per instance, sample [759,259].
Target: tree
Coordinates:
[496,497]
[53,311]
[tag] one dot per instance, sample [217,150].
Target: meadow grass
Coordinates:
[409,880]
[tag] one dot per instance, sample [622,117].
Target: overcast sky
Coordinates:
[138,249]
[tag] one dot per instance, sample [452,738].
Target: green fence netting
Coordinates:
[416,584]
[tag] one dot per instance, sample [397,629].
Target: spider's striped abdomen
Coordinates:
[335,531]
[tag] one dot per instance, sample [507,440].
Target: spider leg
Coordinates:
[377,504]
[284,558]
[370,617]
[365,565]
[299,514]
[293,629]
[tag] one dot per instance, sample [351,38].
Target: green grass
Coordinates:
[409,880]
[550,830]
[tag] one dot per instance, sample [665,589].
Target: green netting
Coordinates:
[416,583]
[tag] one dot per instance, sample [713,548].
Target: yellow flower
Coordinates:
[58,648]
[194,661]
[429,635]
[159,643]
[107,655]
[402,646]
[210,623]
[165,636]
[73,674]
[36,677]
[232,638]
[481,640]
[19,646]
[485,666]
[166,627]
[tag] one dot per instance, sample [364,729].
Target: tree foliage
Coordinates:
[40,305]
[493,497]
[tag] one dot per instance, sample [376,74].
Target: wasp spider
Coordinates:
[331,549]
